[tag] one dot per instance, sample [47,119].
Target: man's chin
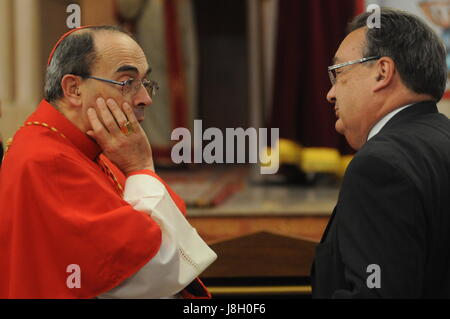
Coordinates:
[339,126]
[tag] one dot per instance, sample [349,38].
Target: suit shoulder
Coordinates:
[378,166]
[425,138]
[370,162]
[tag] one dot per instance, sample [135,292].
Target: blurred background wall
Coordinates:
[258,63]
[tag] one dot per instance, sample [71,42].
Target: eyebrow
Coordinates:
[131,68]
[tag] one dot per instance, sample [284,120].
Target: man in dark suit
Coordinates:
[389,235]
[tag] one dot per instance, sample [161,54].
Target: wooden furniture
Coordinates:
[263,265]
[214,229]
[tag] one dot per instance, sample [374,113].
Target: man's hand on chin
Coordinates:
[120,136]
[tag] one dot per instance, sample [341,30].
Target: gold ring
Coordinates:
[127,128]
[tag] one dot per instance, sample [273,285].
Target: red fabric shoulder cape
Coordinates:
[58,208]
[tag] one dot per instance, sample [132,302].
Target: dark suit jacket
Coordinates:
[393,211]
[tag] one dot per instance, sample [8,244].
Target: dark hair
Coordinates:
[417,51]
[74,55]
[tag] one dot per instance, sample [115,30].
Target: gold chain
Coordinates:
[45,125]
[111,174]
[108,170]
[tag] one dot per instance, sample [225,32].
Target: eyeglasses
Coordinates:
[132,86]
[332,69]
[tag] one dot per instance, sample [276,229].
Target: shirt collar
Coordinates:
[46,113]
[377,127]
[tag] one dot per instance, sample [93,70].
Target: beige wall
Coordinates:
[19,63]
[97,12]
[444,107]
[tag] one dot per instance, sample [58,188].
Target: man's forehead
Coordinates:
[351,47]
[120,53]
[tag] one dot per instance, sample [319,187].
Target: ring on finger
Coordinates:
[127,128]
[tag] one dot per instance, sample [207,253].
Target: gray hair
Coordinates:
[74,55]
[417,51]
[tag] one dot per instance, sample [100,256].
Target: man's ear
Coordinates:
[70,85]
[384,73]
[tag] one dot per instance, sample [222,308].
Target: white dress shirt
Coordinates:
[182,256]
[381,123]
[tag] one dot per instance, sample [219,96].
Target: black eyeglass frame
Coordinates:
[153,85]
[332,69]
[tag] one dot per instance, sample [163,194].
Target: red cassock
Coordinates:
[58,208]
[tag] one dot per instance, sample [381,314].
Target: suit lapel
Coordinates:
[325,233]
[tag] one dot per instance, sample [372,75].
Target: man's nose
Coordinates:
[142,97]
[331,95]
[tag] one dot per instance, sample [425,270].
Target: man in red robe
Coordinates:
[82,212]
[1,144]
